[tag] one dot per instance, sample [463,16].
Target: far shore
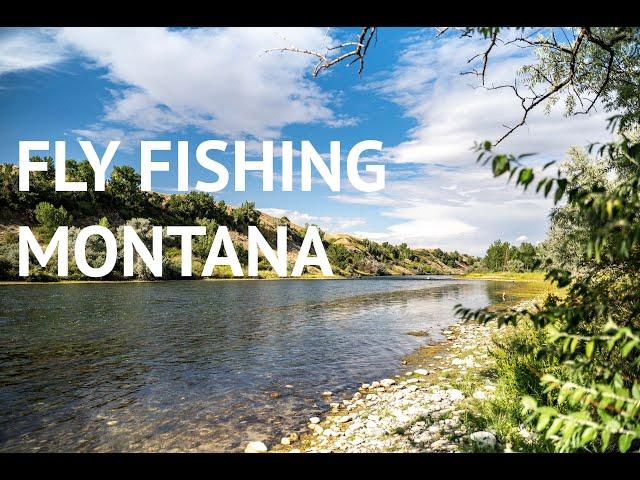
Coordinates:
[226,279]
[535,277]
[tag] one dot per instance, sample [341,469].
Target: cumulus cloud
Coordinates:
[129,140]
[218,80]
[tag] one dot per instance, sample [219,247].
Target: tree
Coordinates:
[187,208]
[594,399]
[246,215]
[50,217]
[593,332]
[339,256]
[585,66]
[568,233]
[202,243]
[144,229]
[527,255]
[497,256]
[124,191]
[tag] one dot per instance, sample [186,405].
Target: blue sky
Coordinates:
[199,84]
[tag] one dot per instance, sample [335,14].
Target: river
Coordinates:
[202,365]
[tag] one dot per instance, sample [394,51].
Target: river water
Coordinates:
[202,365]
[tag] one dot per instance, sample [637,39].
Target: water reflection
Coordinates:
[200,365]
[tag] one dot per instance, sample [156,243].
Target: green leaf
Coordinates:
[588,435]
[525,177]
[624,442]
[576,396]
[588,349]
[626,349]
[554,428]
[543,421]
[500,165]
[574,344]
[605,437]
[562,185]
[547,187]
[635,390]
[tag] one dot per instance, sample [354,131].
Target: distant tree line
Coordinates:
[122,203]
[505,257]
[121,200]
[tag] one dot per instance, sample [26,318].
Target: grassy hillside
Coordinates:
[123,203]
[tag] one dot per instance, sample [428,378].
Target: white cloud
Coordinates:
[364,199]
[102,135]
[522,238]
[28,50]
[218,80]
[468,216]
[451,201]
[332,224]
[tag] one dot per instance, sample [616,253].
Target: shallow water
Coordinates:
[202,365]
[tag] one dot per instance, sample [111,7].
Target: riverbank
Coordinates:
[420,411]
[432,407]
[506,276]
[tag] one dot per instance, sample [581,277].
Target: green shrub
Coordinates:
[50,217]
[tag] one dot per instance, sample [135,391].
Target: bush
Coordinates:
[50,217]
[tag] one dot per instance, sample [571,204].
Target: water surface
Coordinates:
[202,365]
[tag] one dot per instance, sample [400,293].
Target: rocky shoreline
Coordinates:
[427,409]
[420,411]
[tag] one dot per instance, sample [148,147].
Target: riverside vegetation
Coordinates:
[573,365]
[556,372]
[123,203]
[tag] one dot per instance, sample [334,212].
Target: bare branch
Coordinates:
[356,53]
[485,57]
[570,55]
[571,50]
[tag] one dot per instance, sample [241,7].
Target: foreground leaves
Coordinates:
[593,402]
